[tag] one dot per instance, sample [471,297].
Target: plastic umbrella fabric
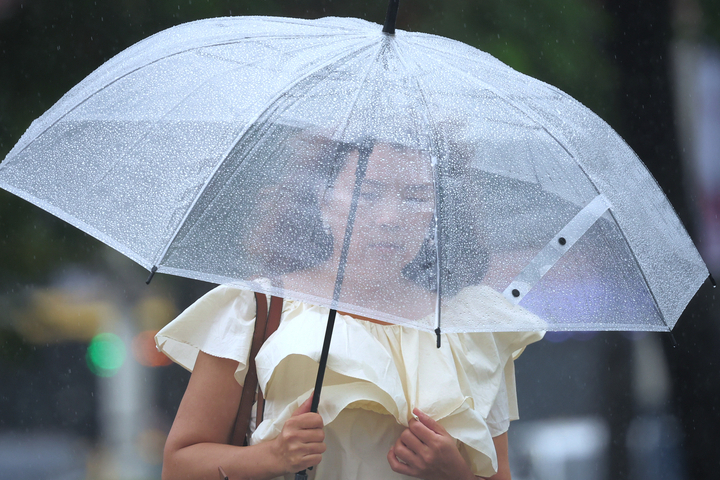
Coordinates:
[215,150]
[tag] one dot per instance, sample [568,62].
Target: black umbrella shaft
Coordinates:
[323,360]
[391,17]
[364,155]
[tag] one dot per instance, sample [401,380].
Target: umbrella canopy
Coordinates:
[397,176]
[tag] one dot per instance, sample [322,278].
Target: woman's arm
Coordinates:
[501,448]
[197,443]
[426,450]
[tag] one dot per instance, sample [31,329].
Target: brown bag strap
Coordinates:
[273,322]
[265,324]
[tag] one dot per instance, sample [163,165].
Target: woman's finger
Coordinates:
[311,435]
[304,408]
[412,442]
[310,461]
[422,432]
[397,465]
[306,420]
[429,422]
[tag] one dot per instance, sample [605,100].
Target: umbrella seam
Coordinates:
[80,102]
[237,66]
[570,152]
[156,122]
[642,273]
[282,92]
[358,180]
[502,95]
[436,182]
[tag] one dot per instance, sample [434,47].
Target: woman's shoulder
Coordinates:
[220,324]
[488,307]
[484,314]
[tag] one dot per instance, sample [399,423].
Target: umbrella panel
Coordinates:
[192,149]
[597,275]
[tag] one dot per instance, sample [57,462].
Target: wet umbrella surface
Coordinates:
[214,149]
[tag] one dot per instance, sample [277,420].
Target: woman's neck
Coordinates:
[398,296]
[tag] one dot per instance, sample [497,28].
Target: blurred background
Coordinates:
[84,394]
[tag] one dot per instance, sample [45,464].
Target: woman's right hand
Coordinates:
[300,444]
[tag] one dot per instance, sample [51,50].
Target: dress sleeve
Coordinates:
[220,323]
[505,408]
[498,420]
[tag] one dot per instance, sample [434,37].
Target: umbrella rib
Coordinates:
[282,92]
[157,121]
[436,191]
[642,272]
[486,59]
[81,101]
[501,95]
[364,155]
[579,165]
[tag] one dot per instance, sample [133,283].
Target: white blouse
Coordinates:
[376,375]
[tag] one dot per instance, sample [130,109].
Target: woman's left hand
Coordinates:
[426,450]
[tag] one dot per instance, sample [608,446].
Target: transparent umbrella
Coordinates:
[218,150]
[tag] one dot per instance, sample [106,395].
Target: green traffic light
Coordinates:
[105,354]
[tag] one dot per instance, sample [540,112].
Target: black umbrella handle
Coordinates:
[321,374]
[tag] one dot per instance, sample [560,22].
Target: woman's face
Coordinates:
[394,212]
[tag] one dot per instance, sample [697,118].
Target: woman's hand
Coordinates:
[300,444]
[426,450]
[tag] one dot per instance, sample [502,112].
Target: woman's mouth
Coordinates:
[388,247]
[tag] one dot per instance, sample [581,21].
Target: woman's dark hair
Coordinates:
[464,257]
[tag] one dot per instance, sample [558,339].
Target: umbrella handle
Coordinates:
[321,374]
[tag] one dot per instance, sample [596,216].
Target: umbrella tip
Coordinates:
[391,17]
[152,274]
[712,280]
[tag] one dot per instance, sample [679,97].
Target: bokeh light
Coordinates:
[145,351]
[105,354]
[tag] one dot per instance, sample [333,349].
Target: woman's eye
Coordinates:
[370,196]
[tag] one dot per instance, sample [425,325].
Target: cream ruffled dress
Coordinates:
[376,374]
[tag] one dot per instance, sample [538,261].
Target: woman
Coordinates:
[393,406]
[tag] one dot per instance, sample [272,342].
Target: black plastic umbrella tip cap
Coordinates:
[391,17]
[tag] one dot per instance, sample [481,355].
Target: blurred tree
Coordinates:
[711,19]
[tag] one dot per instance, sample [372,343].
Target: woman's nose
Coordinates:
[389,213]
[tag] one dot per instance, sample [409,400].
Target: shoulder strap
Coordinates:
[265,324]
[273,322]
